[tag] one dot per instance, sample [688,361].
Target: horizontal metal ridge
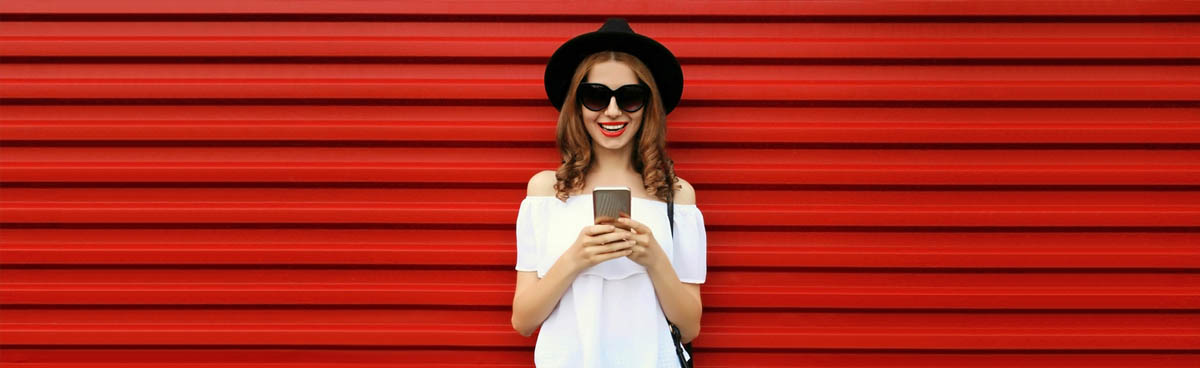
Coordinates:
[516,172]
[319,357]
[274,364]
[483,132]
[269,334]
[798,255]
[515,90]
[575,8]
[921,338]
[450,277]
[967,257]
[694,28]
[521,74]
[1076,49]
[373,238]
[850,158]
[283,114]
[714,193]
[891,297]
[505,213]
[713,316]
[502,335]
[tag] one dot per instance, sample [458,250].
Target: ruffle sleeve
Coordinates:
[527,248]
[691,244]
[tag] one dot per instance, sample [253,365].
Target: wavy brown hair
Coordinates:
[649,145]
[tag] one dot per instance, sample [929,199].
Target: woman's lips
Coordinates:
[604,129]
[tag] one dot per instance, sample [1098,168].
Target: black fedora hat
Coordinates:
[614,35]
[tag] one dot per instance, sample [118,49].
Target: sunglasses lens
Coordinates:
[631,98]
[594,97]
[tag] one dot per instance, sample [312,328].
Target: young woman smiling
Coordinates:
[600,292]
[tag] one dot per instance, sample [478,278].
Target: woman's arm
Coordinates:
[680,301]
[535,298]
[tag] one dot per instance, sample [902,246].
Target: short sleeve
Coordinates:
[691,244]
[526,245]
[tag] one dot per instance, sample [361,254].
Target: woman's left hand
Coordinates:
[646,250]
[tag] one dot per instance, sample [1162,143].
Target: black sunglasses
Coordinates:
[596,96]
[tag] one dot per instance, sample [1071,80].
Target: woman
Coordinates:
[602,294]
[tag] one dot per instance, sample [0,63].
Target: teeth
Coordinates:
[613,128]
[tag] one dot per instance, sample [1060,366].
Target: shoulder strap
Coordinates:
[671,215]
[671,209]
[682,351]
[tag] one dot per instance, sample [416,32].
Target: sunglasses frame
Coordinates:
[611,93]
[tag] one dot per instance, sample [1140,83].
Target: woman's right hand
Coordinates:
[598,243]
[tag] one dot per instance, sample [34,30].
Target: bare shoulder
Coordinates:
[686,194]
[542,184]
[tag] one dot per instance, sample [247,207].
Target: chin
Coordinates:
[613,147]
[610,145]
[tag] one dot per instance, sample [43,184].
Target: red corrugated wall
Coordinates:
[327,183]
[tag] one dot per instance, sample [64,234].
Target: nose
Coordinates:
[612,111]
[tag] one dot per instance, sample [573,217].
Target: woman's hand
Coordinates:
[596,244]
[646,250]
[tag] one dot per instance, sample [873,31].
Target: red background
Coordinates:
[333,183]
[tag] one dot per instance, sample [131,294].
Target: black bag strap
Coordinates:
[675,334]
[671,212]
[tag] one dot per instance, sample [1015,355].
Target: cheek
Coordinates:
[588,118]
[637,121]
[589,115]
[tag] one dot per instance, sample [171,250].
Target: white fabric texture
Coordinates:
[610,315]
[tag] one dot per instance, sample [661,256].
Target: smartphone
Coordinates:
[610,203]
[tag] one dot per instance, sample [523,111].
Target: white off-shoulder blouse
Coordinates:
[610,315]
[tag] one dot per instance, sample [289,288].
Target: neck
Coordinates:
[612,162]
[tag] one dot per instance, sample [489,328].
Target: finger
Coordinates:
[604,239]
[619,246]
[644,238]
[598,229]
[621,225]
[637,226]
[615,236]
[625,233]
[612,255]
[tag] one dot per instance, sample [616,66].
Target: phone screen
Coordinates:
[610,203]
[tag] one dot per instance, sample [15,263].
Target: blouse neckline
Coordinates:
[637,198]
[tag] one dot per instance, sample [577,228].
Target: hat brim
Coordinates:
[668,75]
